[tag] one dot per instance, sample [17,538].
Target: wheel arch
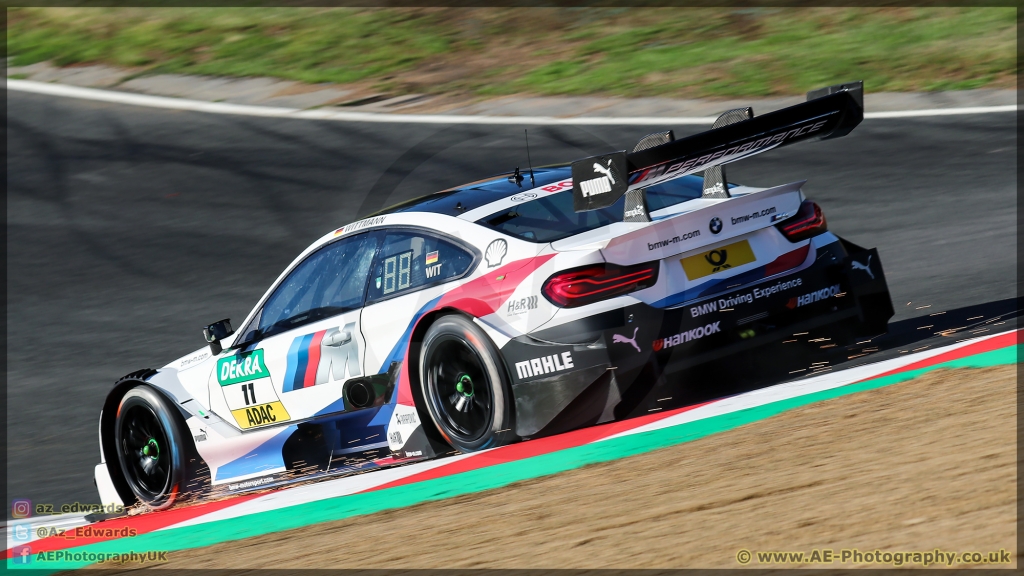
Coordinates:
[416,348]
[108,416]
[413,369]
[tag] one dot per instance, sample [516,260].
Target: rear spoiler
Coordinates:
[599,181]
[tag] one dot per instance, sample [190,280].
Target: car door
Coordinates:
[304,343]
[413,267]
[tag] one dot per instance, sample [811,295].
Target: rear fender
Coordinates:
[417,430]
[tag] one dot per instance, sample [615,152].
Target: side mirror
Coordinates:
[216,332]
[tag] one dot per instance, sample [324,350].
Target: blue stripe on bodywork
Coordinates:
[292,363]
[381,418]
[712,287]
[398,352]
[336,406]
[263,458]
[303,361]
[745,279]
[298,357]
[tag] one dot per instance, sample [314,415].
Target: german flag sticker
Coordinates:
[432,257]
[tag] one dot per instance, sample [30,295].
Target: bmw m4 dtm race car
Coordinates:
[499,311]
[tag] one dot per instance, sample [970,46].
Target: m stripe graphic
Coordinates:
[303,359]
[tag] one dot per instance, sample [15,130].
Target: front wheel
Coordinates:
[150,447]
[465,386]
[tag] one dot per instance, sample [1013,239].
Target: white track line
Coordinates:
[942,111]
[324,114]
[353,484]
[320,491]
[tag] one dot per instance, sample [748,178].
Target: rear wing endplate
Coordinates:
[831,112]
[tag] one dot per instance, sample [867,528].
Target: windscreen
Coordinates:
[551,218]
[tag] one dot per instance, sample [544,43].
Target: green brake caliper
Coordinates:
[465,388]
[151,449]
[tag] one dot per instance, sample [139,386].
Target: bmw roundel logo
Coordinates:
[523,197]
[716,225]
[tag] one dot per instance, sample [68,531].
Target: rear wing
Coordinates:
[599,181]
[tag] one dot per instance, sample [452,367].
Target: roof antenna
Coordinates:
[530,162]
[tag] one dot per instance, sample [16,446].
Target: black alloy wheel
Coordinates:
[149,447]
[465,386]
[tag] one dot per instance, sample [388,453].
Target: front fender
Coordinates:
[106,430]
[165,382]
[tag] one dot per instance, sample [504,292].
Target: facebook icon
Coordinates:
[21,555]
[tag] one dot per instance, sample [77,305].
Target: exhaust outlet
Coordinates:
[360,394]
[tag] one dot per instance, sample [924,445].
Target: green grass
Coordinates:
[626,52]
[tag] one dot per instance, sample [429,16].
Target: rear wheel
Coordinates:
[150,447]
[465,386]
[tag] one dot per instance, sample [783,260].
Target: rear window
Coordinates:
[551,218]
[472,196]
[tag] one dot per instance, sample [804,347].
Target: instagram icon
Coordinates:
[21,508]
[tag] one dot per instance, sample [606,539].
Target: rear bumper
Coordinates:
[834,289]
[579,381]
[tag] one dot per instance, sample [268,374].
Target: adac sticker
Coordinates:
[261,415]
[239,368]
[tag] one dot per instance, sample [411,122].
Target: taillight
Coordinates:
[591,284]
[808,221]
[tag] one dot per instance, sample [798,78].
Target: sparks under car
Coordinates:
[500,311]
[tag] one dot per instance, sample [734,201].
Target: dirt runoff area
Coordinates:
[925,464]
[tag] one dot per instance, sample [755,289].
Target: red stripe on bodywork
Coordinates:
[483,295]
[537,447]
[314,359]
[787,261]
[478,297]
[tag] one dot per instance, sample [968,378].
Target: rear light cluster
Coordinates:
[589,284]
[808,221]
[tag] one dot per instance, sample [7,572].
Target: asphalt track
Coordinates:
[129,228]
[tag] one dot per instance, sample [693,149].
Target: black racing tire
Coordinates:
[151,450]
[465,386]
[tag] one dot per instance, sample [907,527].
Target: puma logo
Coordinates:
[606,171]
[624,340]
[865,267]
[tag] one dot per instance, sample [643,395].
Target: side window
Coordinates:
[408,261]
[329,281]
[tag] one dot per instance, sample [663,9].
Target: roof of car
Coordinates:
[459,200]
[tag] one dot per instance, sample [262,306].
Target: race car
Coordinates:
[507,309]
